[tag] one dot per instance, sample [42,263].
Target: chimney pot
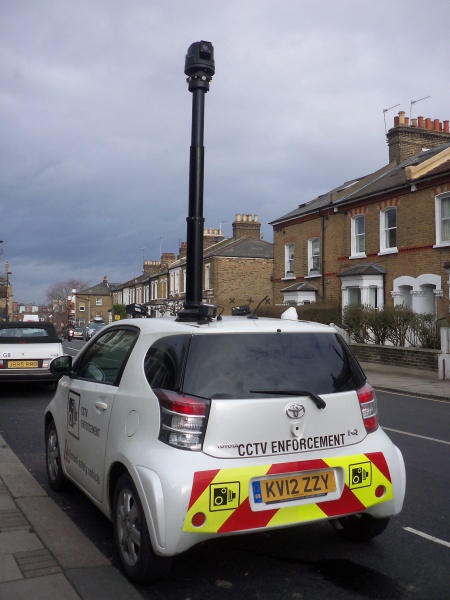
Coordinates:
[420,122]
[427,123]
[401,117]
[437,125]
[446,127]
[413,122]
[396,121]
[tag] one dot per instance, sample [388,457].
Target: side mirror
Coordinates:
[62,365]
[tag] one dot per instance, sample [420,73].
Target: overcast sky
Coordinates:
[95,118]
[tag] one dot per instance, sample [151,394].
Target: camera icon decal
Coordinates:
[360,475]
[224,496]
[73,411]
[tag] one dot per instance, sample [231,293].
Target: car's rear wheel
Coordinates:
[360,527]
[56,477]
[136,554]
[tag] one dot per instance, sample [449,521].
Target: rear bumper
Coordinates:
[28,375]
[372,482]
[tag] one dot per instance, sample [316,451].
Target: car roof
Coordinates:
[169,326]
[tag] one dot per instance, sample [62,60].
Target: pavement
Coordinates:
[44,556]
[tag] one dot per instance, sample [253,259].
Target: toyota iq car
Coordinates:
[182,431]
[26,350]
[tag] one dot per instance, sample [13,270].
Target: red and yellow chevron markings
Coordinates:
[226,500]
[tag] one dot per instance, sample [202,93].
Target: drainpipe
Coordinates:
[323,258]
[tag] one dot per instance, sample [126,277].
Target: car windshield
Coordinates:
[250,366]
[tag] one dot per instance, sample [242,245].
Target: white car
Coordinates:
[26,350]
[92,329]
[180,432]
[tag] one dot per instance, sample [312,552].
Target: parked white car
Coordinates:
[180,432]
[26,350]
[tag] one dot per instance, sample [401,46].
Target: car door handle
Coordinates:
[101,405]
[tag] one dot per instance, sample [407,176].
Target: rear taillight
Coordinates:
[369,407]
[183,420]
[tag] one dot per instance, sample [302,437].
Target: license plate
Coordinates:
[294,487]
[23,364]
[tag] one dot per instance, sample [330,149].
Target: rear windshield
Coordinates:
[27,334]
[246,365]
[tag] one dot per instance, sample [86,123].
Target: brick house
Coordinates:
[239,270]
[379,239]
[95,301]
[236,271]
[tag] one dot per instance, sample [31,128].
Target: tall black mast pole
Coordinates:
[200,68]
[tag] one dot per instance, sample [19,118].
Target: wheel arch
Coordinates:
[115,473]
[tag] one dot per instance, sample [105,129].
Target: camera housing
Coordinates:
[199,65]
[200,58]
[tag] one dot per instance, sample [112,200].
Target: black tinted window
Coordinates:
[105,360]
[230,365]
[164,361]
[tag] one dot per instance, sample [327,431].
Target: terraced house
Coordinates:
[236,271]
[379,239]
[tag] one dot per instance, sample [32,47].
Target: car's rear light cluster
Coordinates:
[369,407]
[183,420]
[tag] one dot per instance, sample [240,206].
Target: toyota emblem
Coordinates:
[295,411]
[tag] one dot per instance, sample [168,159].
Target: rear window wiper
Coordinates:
[314,397]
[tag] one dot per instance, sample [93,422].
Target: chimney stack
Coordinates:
[246,226]
[407,139]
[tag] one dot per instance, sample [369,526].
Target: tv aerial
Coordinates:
[415,102]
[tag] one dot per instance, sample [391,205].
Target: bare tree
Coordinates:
[58,293]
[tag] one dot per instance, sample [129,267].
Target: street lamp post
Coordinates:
[8,273]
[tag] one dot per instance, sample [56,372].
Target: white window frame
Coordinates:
[439,199]
[99,302]
[354,291]
[313,258]
[355,237]
[82,308]
[364,283]
[208,276]
[289,261]
[384,229]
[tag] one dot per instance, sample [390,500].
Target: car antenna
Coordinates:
[266,299]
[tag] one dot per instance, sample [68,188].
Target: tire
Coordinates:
[56,477]
[131,536]
[360,527]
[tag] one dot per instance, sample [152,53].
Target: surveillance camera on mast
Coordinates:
[199,65]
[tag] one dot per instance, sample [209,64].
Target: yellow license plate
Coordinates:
[294,487]
[23,364]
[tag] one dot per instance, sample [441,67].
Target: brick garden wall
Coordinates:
[397,356]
